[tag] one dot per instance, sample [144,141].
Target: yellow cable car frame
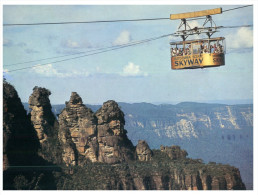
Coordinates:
[198,53]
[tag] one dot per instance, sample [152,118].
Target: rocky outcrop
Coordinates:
[143,151]
[41,115]
[87,138]
[174,152]
[45,124]
[22,166]
[78,131]
[158,174]
[99,137]
[20,142]
[114,146]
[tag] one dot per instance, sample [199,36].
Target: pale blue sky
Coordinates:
[135,74]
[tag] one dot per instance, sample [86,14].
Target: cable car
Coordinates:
[197,53]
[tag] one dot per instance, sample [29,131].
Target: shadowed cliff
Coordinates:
[94,151]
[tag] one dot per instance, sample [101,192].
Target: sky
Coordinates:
[140,73]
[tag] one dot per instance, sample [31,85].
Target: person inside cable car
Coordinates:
[174,52]
[205,49]
[180,52]
[214,48]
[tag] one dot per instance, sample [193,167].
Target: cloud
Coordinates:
[133,70]
[194,23]
[49,71]
[123,38]
[75,44]
[243,39]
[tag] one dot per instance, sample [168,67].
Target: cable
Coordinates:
[88,22]
[108,21]
[236,8]
[93,50]
[97,49]
[107,50]
[200,18]
[235,26]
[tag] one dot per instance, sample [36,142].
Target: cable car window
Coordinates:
[196,48]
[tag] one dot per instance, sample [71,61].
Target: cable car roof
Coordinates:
[197,40]
[196,14]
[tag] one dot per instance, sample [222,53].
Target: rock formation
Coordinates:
[88,139]
[143,151]
[45,124]
[158,174]
[78,131]
[114,146]
[20,143]
[97,137]
[20,148]
[41,115]
[174,152]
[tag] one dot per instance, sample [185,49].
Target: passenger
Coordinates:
[189,50]
[180,52]
[174,52]
[185,52]
[205,50]
[215,48]
[202,47]
[220,49]
[177,51]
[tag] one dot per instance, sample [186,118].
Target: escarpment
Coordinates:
[20,143]
[96,150]
[23,167]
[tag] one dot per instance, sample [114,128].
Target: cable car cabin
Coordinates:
[202,53]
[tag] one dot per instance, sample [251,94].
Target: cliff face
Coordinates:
[23,168]
[20,142]
[98,143]
[160,173]
[187,120]
[212,132]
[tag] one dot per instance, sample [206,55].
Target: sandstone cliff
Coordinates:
[22,167]
[98,137]
[78,131]
[45,124]
[114,146]
[186,120]
[161,173]
[98,143]
[20,142]
[143,151]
